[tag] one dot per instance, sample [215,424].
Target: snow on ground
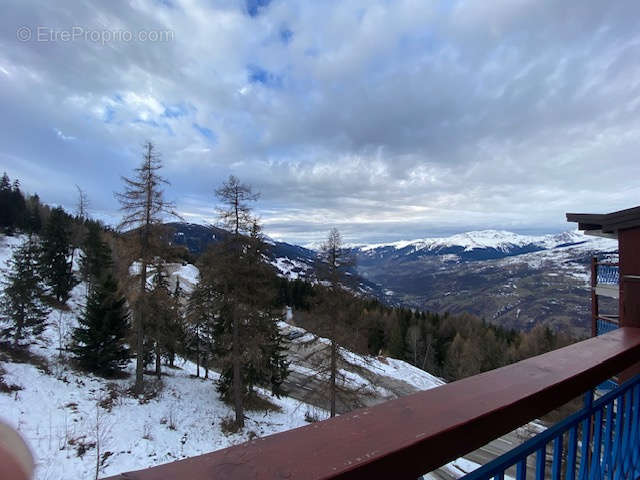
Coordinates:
[563,257]
[57,415]
[384,366]
[187,274]
[61,412]
[58,410]
[397,369]
[291,268]
[7,245]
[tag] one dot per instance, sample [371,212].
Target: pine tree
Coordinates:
[5,202]
[262,346]
[398,337]
[175,331]
[99,340]
[18,206]
[144,206]
[23,290]
[201,312]
[33,218]
[244,328]
[56,263]
[95,259]
[161,312]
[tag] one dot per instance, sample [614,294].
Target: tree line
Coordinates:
[445,345]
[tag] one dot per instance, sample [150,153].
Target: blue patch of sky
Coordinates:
[176,111]
[152,123]
[165,3]
[205,131]
[257,74]
[286,35]
[311,52]
[254,6]
[422,42]
[109,115]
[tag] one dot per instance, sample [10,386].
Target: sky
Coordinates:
[386,119]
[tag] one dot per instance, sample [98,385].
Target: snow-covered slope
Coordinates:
[62,412]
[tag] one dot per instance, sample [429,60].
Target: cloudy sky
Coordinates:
[388,119]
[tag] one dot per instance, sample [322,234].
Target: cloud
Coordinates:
[62,136]
[387,119]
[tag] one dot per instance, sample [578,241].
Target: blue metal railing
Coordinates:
[602,441]
[605,326]
[608,274]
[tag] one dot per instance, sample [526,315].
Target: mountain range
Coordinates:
[508,279]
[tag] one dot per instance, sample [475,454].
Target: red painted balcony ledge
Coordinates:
[407,437]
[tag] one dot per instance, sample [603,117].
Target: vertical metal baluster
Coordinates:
[606,457]
[521,469]
[556,467]
[635,436]
[597,446]
[499,476]
[617,437]
[571,453]
[540,462]
[626,433]
[586,435]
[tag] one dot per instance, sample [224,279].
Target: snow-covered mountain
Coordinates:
[509,279]
[476,245]
[291,261]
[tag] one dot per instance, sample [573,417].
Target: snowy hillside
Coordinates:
[63,413]
[511,280]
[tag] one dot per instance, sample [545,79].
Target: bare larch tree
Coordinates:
[235,216]
[332,270]
[144,207]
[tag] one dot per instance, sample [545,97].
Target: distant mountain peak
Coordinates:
[480,239]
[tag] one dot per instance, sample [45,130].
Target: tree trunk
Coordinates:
[197,353]
[237,380]
[332,377]
[144,251]
[18,335]
[158,366]
[139,386]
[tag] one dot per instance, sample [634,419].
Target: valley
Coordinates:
[514,290]
[511,280]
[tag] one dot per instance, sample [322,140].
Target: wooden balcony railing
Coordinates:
[407,437]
